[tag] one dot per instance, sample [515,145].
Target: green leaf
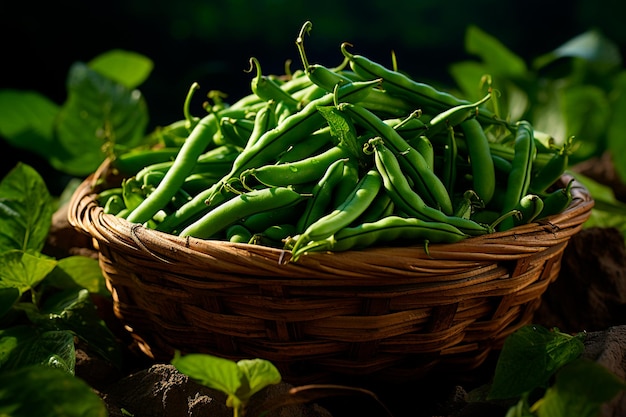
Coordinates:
[342,129]
[124,67]
[8,297]
[22,270]
[211,371]
[41,391]
[529,357]
[498,59]
[74,310]
[99,117]
[259,374]
[587,112]
[23,346]
[78,272]
[27,121]
[580,389]
[25,210]
[590,46]
[617,126]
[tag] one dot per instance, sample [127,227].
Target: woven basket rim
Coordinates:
[87,216]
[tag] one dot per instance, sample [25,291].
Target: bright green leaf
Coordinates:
[98,117]
[27,120]
[79,272]
[124,67]
[41,391]
[580,389]
[342,129]
[211,371]
[23,346]
[22,270]
[260,373]
[529,357]
[25,210]
[498,59]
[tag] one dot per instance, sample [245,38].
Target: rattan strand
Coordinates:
[386,313]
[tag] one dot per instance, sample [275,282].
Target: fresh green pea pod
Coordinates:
[449,164]
[299,172]
[552,170]
[454,116]
[382,206]
[409,127]
[349,210]
[279,232]
[407,200]
[413,163]
[425,147]
[114,204]
[321,195]
[481,163]
[501,164]
[518,181]
[349,180]
[391,229]
[258,222]
[234,132]
[239,207]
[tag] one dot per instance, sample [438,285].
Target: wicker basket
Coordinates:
[386,313]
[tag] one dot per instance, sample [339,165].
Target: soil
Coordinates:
[589,296]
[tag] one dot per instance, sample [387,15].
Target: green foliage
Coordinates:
[238,380]
[45,304]
[103,114]
[542,371]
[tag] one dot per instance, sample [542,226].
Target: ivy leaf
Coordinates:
[42,391]
[23,271]
[580,389]
[124,67]
[98,118]
[529,357]
[25,210]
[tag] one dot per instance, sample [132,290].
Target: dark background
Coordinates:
[210,41]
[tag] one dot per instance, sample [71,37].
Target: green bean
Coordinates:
[552,170]
[420,94]
[233,131]
[321,195]
[518,181]
[264,120]
[114,204]
[267,89]
[238,234]
[529,207]
[257,222]
[344,214]
[382,206]
[242,205]
[129,163]
[481,163]
[349,179]
[391,229]
[454,116]
[413,163]
[313,143]
[557,201]
[407,200]
[299,172]
[449,166]
[279,232]
[196,143]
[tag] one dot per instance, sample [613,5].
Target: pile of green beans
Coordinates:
[334,159]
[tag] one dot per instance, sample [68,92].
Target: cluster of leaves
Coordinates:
[104,114]
[540,373]
[577,90]
[46,306]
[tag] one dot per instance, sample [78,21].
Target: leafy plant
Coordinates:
[542,371]
[238,380]
[577,90]
[104,114]
[45,304]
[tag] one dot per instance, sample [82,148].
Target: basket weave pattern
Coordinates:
[388,312]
